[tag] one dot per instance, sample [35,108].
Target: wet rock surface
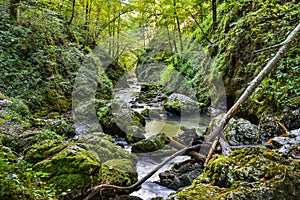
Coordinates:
[181,174]
[252,173]
[120,120]
[181,105]
[289,144]
[150,144]
[241,132]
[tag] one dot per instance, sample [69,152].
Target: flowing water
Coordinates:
[170,126]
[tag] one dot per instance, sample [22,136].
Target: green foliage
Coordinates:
[245,26]
[38,60]
[19,181]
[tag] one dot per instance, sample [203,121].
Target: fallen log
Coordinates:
[177,145]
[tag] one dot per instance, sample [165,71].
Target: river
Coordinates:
[169,125]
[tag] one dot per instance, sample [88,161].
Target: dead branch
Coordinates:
[267,48]
[251,87]
[177,145]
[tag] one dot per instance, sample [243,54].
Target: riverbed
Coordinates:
[171,125]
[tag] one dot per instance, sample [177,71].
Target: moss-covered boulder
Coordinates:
[75,166]
[123,122]
[252,173]
[181,105]
[241,132]
[43,150]
[153,143]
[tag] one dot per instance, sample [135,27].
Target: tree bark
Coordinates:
[73,12]
[214,13]
[195,155]
[13,9]
[178,26]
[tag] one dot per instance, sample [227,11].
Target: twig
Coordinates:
[133,187]
[211,151]
[196,21]
[282,126]
[267,48]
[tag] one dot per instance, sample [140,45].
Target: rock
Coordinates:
[269,124]
[44,150]
[7,154]
[81,164]
[180,104]
[153,143]
[187,136]
[252,173]
[181,175]
[151,93]
[241,132]
[61,126]
[122,121]
[286,145]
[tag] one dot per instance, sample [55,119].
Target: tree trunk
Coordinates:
[214,13]
[178,26]
[73,11]
[13,9]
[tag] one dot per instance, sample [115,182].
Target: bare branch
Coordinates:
[267,48]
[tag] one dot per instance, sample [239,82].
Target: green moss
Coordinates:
[45,150]
[252,173]
[246,26]
[7,154]
[150,144]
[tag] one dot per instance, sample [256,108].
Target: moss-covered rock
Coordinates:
[253,173]
[181,105]
[19,181]
[44,150]
[241,132]
[153,143]
[63,126]
[7,154]
[75,166]
[123,122]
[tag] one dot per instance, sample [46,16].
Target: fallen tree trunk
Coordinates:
[216,133]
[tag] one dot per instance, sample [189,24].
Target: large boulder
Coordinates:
[75,166]
[180,104]
[121,121]
[153,143]
[252,173]
[241,132]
